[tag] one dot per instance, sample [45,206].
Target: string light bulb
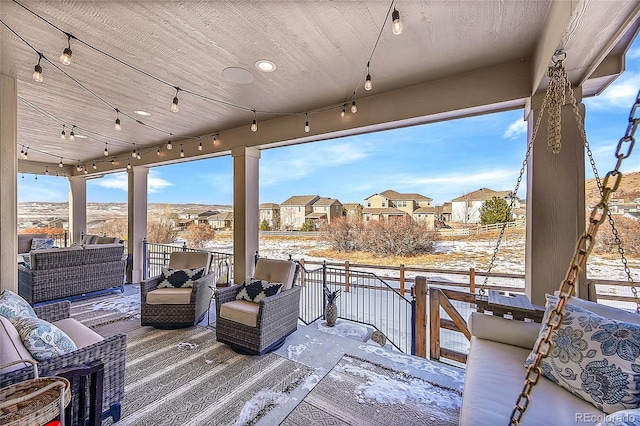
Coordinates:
[63,135]
[254,124]
[113,161]
[79,167]
[200,146]
[65,58]
[354,108]
[94,165]
[85,170]
[26,153]
[158,152]
[397,24]
[72,135]
[367,84]
[344,110]
[60,163]
[46,170]
[181,151]
[133,152]
[138,156]
[169,146]
[37,70]
[106,151]
[22,151]
[174,104]
[307,129]
[117,126]
[128,164]
[215,140]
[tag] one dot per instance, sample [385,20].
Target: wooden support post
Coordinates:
[420,293]
[472,280]
[347,277]
[402,279]
[434,323]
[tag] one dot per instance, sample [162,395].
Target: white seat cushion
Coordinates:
[11,347]
[80,334]
[169,296]
[241,311]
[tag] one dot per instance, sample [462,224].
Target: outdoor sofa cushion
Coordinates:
[169,296]
[241,311]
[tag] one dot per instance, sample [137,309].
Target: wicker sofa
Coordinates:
[91,347]
[70,271]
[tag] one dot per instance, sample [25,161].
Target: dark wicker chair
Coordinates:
[111,352]
[178,307]
[277,316]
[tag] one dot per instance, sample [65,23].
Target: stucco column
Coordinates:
[245,210]
[77,207]
[137,229]
[555,203]
[8,183]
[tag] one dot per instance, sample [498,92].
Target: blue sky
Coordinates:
[441,160]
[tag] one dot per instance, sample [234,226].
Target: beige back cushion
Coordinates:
[190,260]
[279,271]
[24,241]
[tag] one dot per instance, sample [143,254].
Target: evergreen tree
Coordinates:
[308,226]
[264,225]
[495,210]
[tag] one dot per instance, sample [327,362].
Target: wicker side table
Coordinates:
[35,401]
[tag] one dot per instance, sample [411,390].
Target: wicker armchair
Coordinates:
[178,307]
[275,317]
[110,351]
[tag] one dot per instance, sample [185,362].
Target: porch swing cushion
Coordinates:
[594,357]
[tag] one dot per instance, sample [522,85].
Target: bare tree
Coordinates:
[199,234]
[161,230]
[114,228]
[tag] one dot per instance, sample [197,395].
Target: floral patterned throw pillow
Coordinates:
[43,339]
[12,305]
[594,358]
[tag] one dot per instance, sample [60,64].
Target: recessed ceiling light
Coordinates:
[81,136]
[237,75]
[141,112]
[265,65]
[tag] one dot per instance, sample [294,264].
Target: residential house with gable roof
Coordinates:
[466,208]
[204,216]
[294,210]
[391,204]
[325,209]
[270,212]
[353,210]
[221,220]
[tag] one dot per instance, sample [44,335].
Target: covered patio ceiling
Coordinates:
[453,58]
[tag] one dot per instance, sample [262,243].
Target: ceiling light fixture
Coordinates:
[72,135]
[37,70]
[367,84]
[307,129]
[265,65]
[397,24]
[142,113]
[117,125]
[254,124]
[169,146]
[60,163]
[181,151]
[65,58]
[106,151]
[63,135]
[174,105]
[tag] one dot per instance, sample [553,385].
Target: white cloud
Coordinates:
[620,94]
[120,181]
[310,159]
[515,129]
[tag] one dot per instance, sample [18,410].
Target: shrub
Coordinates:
[264,225]
[199,234]
[628,231]
[343,233]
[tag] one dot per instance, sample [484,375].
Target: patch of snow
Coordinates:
[335,376]
[186,346]
[257,403]
[346,329]
[415,362]
[311,381]
[294,351]
[384,389]
[129,305]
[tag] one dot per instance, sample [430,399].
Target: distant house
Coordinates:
[443,215]
[58,223]
[466,208]
[221,220]
[187,218]
[353,210]
[204,216]
[390,204]
[425,215]
[270,212]
[294,210]
[325,210]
